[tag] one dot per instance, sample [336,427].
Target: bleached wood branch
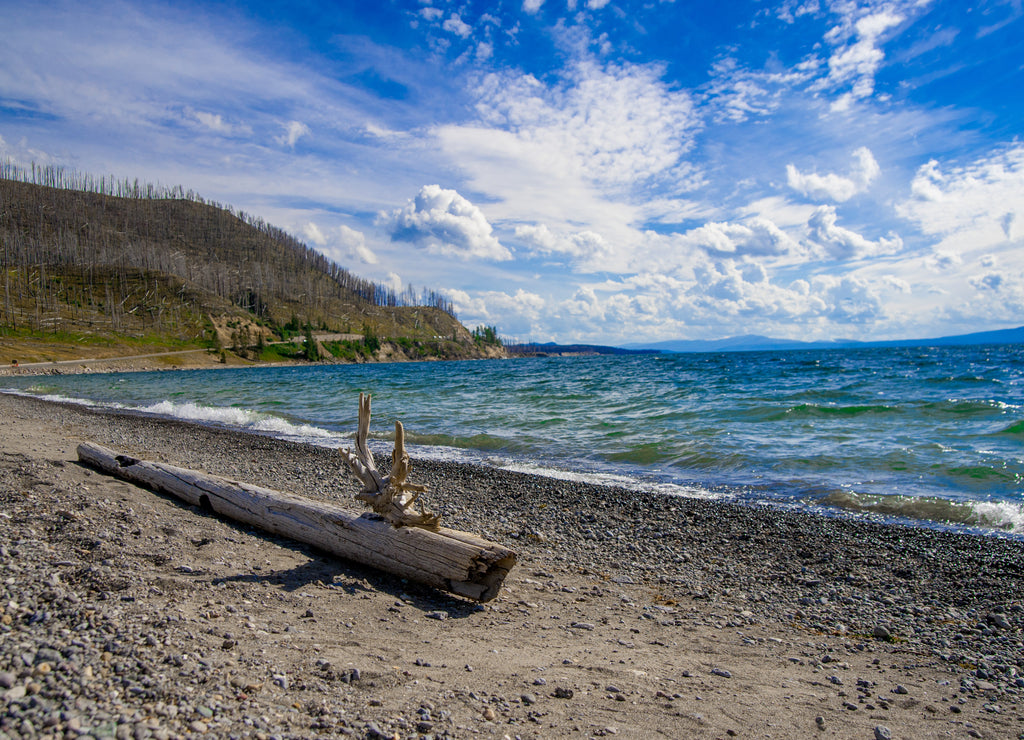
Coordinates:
[390,496]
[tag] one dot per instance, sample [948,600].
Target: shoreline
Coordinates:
[658,598]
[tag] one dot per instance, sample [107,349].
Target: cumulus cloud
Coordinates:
[979,202]
[532,6]
[343,245]
[353,244]
[519,314]
[585,246]
[754,237]
[836,187]
[293,131]
[454,24]
[312,233]
[840,243]
[445,223]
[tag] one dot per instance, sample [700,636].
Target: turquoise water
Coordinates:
[926,434]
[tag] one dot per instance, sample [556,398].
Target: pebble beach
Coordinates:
[127,614]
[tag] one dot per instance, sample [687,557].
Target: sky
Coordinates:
[600,171]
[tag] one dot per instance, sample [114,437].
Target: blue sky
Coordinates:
[582,170]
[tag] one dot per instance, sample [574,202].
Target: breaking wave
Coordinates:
[1005,516]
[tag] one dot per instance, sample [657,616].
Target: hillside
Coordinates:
[155,268]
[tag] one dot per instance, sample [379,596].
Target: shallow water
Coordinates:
[930,434]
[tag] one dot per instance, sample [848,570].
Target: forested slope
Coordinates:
[149,261]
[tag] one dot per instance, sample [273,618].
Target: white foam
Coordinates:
[1004,515]
[239,418]
[610,479]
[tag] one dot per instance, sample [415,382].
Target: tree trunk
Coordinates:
[447,559]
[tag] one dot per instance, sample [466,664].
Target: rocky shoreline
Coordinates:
[126,614]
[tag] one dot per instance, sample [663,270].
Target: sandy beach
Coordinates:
[127,614]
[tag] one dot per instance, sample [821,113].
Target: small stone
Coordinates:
[999,620]
[820,722]
[582,626]
[882,733]
[881,632]
[562,693]
[7,679]
[528,699]
[489,714]
[197,727]
[985,685]
[900,689]
[438,615]
[721,672]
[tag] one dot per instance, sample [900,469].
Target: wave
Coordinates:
[813,409]
[232,417]
[238,418]
[1016,428]
[1001,515]
[614,480]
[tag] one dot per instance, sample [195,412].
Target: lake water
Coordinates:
[924,435]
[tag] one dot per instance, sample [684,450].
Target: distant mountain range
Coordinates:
[753,343]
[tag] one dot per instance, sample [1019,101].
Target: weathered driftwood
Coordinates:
[390,496]
[447,559]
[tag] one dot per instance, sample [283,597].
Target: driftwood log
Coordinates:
[447,559]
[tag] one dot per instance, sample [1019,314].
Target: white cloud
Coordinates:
[859,56]
[586,246]
[519,315]
[757,236]
[353,245]
[581,154]
[456,25]
[532,6]
[216,123]
[737,94]
[975,204]
[431,14]
[293,131]
[844,244]
[613,125]
[445,223]
[836,187]
[312,233]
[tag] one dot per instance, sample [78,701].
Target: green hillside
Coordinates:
[105,268]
